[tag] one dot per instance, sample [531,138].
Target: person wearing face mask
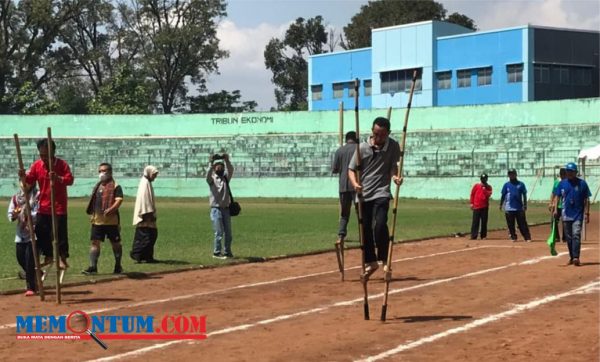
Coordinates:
[103,209]
[218,174]
[480,196]
[378,167]
[144,219]
[62,177]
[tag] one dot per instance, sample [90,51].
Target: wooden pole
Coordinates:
[57,257]
[341,117]
[34,249]
[388,271]
[359,205]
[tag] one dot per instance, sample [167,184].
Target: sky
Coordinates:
[250,24]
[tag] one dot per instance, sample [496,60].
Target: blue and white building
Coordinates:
[458,66]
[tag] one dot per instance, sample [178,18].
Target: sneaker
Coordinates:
[90,271]
[218,256]
[570,262]
[527,240]
[576,262]
[228,256]
[118,269]
[370,268]
[29,293]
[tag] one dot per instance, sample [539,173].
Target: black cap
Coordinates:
[484,175]
[512,170]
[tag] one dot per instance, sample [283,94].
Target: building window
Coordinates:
[582,76]
[367,85]
[399,81]
[564,75]
[317,92]
[484,76]
[515,73]
[542,73]
[338,90]
[464,78]
[444,80]
[350,86]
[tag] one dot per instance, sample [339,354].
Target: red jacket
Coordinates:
[480,196]
[39,173]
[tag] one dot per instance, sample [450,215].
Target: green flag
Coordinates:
[550,240]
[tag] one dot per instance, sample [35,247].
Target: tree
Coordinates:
[88,41]
[29,56]
[125,93]
[221,102]
[177,42]
[382,13]
[71,95]
[286,59]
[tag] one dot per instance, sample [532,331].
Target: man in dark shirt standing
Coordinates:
[342,158]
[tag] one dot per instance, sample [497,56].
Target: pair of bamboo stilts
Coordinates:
[340,243]
[34,247]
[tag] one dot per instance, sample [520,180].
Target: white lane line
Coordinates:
[519,308]
[242,327]
[258,284]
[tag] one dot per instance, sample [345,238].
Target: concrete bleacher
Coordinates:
[429,153]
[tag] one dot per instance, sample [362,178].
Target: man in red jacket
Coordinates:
[480,196]
[62,177]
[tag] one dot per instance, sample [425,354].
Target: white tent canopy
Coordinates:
[590,153]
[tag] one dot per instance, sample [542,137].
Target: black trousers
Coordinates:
[346,199]
[519,216]
[376,233]
[25,259]
[143,243]
[44,235]
[480,217]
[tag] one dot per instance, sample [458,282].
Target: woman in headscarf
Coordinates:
[144,218]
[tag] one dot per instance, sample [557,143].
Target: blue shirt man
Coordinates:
[574,193]
[514,195]
[514,202]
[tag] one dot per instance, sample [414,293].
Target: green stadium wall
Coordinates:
[294,149]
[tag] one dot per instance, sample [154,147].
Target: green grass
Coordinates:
[265,228]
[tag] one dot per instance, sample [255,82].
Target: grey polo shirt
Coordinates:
[341,159]
[377,168]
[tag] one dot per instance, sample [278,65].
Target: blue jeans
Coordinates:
[572,232]
[221,224]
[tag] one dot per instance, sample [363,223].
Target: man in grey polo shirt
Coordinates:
[379,164]
[342,158]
